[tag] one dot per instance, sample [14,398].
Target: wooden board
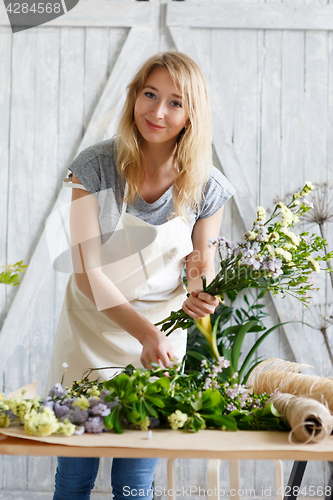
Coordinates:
[251,16]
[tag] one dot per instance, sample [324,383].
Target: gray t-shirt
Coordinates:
[96,168]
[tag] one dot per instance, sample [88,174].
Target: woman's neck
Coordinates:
[158,157]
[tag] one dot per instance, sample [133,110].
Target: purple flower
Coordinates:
[78,416]
[101,409]
[104,393]
[60,410]
[48,403]
[79,430]
[232,393]
[57,391]
[94,425]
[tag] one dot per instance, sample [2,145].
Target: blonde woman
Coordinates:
[143,205]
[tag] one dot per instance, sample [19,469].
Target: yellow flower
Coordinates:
[4,420]
[205,327]
[177,420]
[66,427]
[40,424]
[94,392]
[0,396]
[144,424]
[82,402]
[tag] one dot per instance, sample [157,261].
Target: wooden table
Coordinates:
[209,444]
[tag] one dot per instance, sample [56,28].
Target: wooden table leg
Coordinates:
[279,479]
[171,478]
[213,478]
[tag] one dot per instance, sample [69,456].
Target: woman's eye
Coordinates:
[150,95]
[176,104]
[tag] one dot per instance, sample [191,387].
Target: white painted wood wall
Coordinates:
[270,68]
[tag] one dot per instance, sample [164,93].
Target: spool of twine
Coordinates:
[310,421]
[278,375]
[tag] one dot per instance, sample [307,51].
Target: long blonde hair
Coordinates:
[193,154]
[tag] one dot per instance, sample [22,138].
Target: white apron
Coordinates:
[145,263]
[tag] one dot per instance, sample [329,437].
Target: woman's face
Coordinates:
[158,112]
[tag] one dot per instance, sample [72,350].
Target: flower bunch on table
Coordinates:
[270,257]
[144,399]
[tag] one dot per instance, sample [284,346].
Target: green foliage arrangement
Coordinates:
[145,399]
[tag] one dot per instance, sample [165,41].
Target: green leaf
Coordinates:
[117,421]
[163,383]
[196,355]
[197,404]
[256,346]
[150,410]
[263,293]
[211,400]
[237,345]
[155,400]
[220,421]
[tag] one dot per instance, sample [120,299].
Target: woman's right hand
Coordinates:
[156,348]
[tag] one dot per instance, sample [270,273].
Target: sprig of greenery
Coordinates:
[10,274]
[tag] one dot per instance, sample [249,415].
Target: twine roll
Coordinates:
[278,375]
[310,421]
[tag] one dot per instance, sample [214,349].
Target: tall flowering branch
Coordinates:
[270,257]
[322,213]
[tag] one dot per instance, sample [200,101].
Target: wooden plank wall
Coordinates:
[277,95]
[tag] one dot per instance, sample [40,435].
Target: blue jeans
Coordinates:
[131,478]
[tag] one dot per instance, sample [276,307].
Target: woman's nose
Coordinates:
[159,109]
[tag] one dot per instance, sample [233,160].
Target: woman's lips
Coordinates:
[153,126]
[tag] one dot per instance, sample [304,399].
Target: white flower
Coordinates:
[313,264]
[261,214]
[177,419]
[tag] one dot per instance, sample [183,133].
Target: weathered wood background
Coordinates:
[270,69]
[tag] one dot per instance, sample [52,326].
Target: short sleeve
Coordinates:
[218,190]
[87,169]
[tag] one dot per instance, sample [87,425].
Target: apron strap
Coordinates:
[124,206]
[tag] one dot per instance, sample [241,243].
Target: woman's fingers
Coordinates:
[157,351]
[199,304]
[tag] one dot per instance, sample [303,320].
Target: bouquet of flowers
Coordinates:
[144,399]
[271,257]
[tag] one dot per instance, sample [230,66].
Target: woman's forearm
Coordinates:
[193,274]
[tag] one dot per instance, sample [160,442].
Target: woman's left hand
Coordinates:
[199,304]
